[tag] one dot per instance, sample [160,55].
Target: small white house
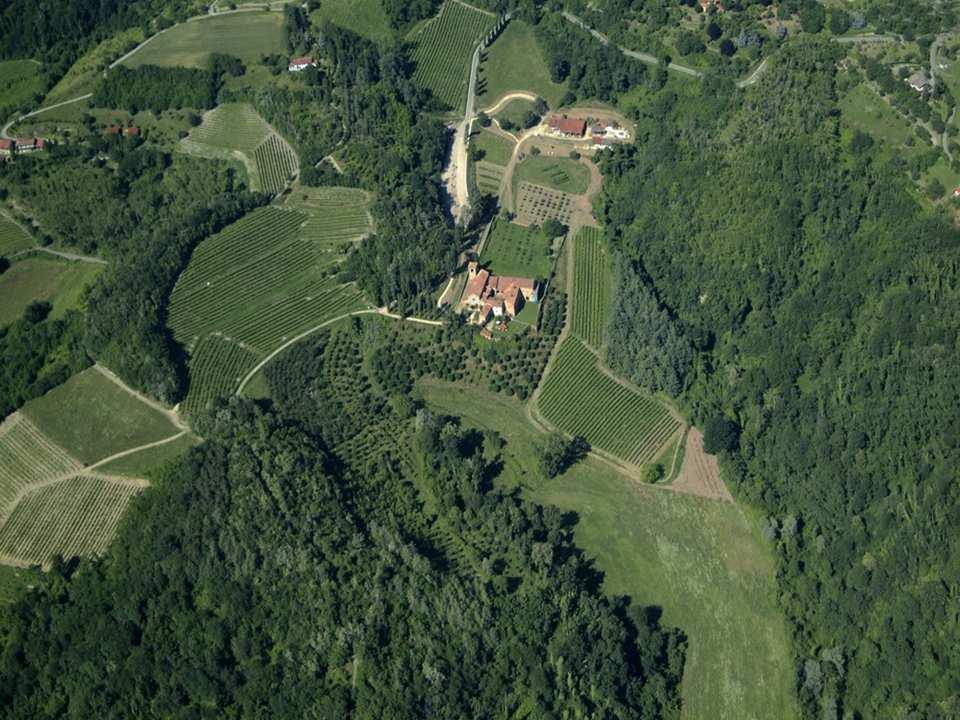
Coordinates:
[301,63]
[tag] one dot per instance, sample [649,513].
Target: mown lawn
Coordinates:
[864,110]
[496,149]
[44,277]
[558,173]
[701,562]
[515,250]
[92,418]
[515,61]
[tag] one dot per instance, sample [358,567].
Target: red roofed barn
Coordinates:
[567,126]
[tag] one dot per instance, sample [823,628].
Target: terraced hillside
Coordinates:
[580,399]
[444,47]
[236,131]
[259,283]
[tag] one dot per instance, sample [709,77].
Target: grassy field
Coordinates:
[862,109]
[44,277]
[488,177]
[496,149]
[75,516]
[516,250]
[92,418]
[19,81]
[444,47]
[246,35]
[151,462]
[515,61]
[260,282]
[558,173]
[235,130]
[580,399]
[13,239]
[84,73]
[592,286]
[516,111]
[15,581]
[364,17]
[702,562]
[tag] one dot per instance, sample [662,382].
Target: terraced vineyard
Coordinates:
[580,399]
[444,48]
[258,283]
[236,130]
[335,216]
[75,516]
[12,237]
[591,286]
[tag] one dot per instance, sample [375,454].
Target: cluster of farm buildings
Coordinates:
[600,134]
[489,297]
[301,63]
[10,146]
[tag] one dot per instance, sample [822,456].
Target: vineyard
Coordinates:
[12,237]
[234,129]
[217,365]
[75,516]
[591,287]
[580,399]
[444,48]
[258,283]
[336,216]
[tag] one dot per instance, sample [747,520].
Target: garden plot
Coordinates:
[537,204]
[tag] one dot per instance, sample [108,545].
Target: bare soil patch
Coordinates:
[700,472]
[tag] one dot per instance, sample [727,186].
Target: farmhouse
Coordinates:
[564,125]
[918,81]
[301,63]
[494,296]
[132,131]
[705,5]
[25,145]
[6,146]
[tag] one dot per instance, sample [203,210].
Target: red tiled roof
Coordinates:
[40,143]
[113,130]
[24,142]
[132,131]
[502,283]
[304,60]
[478,283]
[6,144]
[568,126]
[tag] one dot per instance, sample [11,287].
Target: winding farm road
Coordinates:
[3,132]
[507,98]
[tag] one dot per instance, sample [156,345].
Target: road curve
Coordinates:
[507,98]
[3,132]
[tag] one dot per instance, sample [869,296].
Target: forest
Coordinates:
[149,87]
[265,576]
[822,300]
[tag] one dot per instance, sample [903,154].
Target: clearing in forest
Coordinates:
[515,61]
[261,281]
[444,48]
[580,399]
[516,251]
[40,276]
[592,285]
[246,35]
[92,418]
[236,131]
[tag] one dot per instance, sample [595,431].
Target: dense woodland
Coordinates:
[823,302]
[149,87]
[266,576]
